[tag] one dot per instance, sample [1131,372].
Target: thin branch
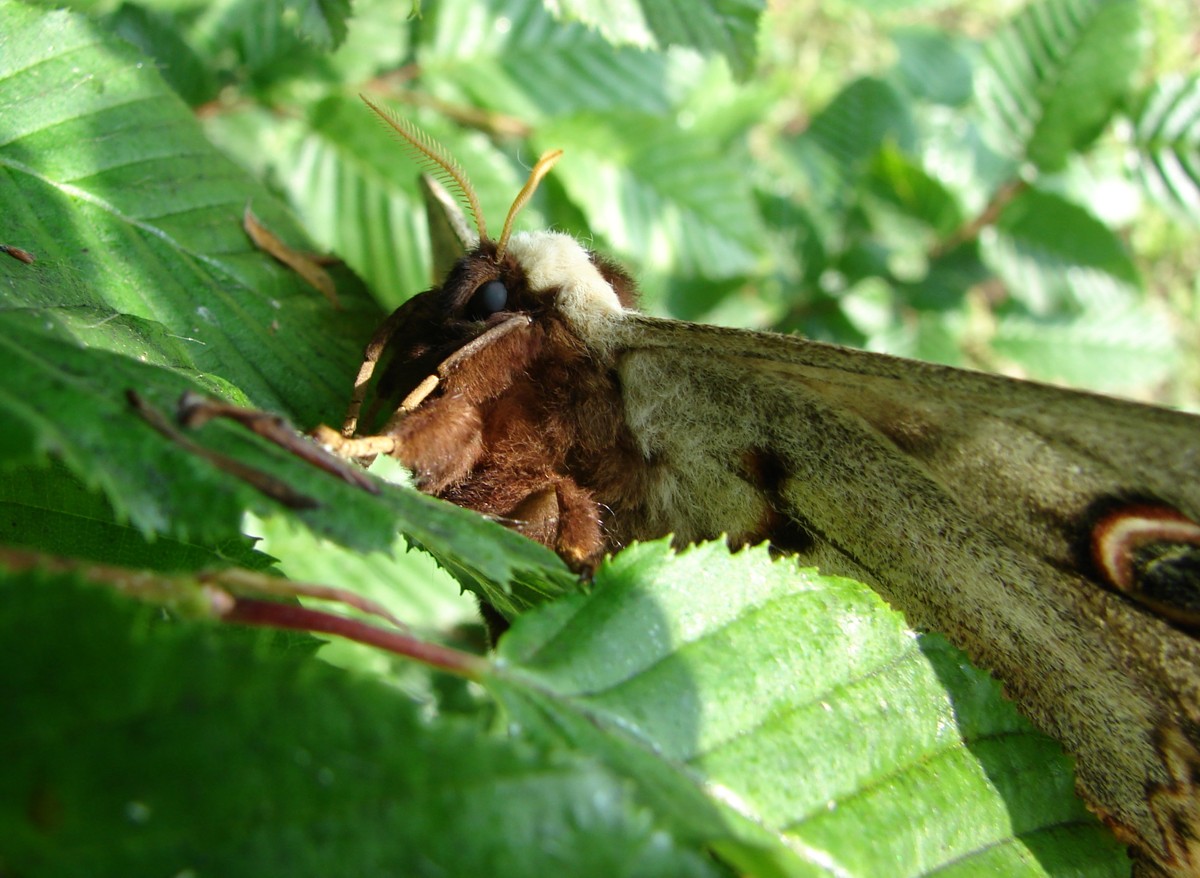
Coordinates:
[970,230]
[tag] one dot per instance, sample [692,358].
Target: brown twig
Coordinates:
[970,230]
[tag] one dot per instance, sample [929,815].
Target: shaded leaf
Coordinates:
[859,120]
[933,66]
[782,717]
[159,748]
[159,36]
[49,510]
[269,37]
[911,194]
[1055,74]
[841,141]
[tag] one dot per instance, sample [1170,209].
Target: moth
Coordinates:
[1049,533]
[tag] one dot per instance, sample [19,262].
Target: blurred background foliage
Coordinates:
[1006,186]
[1002,186]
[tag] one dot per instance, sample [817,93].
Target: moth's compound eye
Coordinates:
[488,300]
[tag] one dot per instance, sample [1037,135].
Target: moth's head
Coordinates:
[541,278]
[538,274]
[513,283]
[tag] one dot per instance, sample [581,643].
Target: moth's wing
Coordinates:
[962,497]
[450,232]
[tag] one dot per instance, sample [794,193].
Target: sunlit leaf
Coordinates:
[1166,136]
[782,717]
[660,197]
[1119,349]
[725,26]
[1056,257]
[512,56]
[1054,76]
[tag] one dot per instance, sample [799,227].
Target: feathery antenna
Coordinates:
[434,156]
[541,169]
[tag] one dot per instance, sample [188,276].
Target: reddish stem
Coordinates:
[269,614]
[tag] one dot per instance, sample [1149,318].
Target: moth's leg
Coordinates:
[353,447]
[537,516]
[263,482]
[371,354]
[441,442]
[579,541]
[564,517]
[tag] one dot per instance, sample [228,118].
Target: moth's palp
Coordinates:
[480,342]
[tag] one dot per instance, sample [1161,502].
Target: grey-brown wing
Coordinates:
[961,496]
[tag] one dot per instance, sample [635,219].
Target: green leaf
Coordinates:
[621,22]
[1166,137]
[1055,257]
[856,123]
[845,135]
[146,282]
[1114,349]
[76,410]
[908,190]
[512,56]
[933,66]
[781,717]
[138,230]
[159,37]
[264,34]
[725,26]
[666,200]
[167,748]
[1054,76]
[356,187]
[408,583]
[49,510]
